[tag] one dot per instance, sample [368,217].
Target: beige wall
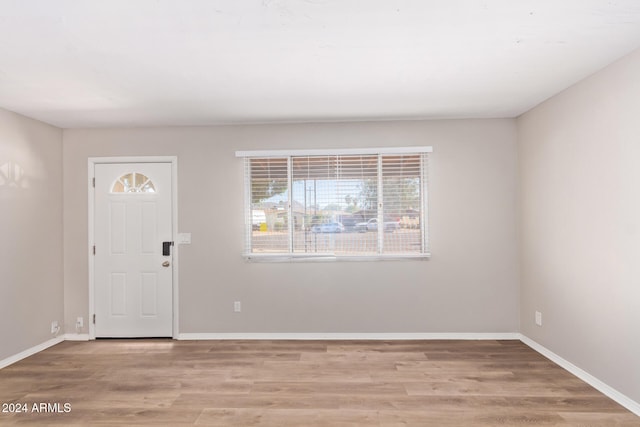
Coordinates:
[580,187]
[470,284]
[31,285]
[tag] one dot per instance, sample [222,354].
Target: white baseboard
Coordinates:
[30,352]
[605,389]
[76,337]
[350,336]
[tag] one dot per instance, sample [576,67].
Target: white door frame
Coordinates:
[174,225]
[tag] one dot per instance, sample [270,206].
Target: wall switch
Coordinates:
[538,318]
[55,327]
[237,306]
[184,238]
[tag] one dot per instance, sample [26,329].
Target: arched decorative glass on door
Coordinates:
[133,182]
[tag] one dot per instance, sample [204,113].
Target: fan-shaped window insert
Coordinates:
[133,183]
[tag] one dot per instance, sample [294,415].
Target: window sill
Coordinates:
[332,258]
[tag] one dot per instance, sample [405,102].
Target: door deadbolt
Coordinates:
[166,248]
[166,264]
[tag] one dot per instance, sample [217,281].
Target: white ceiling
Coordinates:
[88,63]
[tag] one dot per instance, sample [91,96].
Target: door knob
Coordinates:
[166,264]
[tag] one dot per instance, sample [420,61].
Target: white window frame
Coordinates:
[289,154]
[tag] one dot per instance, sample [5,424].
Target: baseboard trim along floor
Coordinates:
[30,351]
[351,336]
[594,382]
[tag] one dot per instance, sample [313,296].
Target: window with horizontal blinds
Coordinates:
[402,180]
[269,191]
[344,205]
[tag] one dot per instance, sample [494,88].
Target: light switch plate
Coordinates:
[184,238]
[538,318]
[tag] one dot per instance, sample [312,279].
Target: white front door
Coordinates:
[132,276]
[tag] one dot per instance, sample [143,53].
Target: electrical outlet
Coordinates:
[237,306]
[79,323]
[55,327]
[538,318]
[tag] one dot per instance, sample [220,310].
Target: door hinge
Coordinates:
[94,249]
[94,319]
[93,182]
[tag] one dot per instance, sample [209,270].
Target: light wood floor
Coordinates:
[299,383]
